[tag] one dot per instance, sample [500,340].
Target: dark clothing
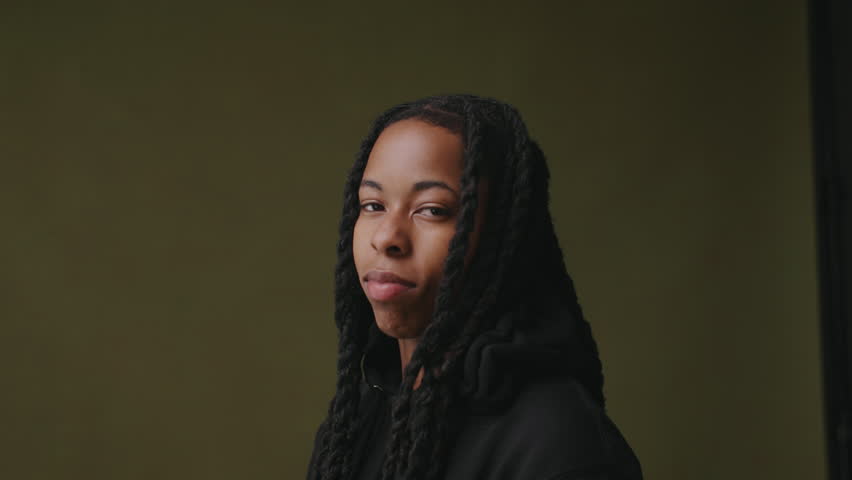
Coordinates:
[524,416]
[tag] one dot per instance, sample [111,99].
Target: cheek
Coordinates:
[359,242]
[437,247]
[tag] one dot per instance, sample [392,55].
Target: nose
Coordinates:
[391,236]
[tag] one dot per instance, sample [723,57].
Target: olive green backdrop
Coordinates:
[170,175]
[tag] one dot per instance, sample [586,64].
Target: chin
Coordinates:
[399,328]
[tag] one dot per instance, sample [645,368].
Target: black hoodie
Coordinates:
[525,414]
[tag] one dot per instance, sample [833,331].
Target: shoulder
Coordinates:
[552,428]
[558,416]
[554,394]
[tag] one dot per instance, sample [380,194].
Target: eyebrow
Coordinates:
[418,187]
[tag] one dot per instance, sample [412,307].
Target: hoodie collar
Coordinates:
[526,343]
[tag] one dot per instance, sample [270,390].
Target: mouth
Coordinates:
[384,286]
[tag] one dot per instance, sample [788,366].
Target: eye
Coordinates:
[372,207]
[437,212]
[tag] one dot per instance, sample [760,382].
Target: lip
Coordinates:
[381,276]
[384,286]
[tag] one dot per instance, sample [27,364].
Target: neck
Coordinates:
[406,349]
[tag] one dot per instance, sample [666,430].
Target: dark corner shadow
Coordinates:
[830,23]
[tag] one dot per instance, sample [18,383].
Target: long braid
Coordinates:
[514,209]
[589,370]
[516,204]
[333,456]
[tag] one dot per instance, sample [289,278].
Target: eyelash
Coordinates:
[364,206]
[443,212]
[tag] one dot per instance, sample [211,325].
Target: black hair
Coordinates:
[517,261]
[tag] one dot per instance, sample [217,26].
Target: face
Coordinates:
[410,202]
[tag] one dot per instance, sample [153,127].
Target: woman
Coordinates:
[463,353]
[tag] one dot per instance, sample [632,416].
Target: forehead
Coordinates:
[411,150]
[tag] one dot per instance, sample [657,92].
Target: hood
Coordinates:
[529,342]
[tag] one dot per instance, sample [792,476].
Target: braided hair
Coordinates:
[517,261]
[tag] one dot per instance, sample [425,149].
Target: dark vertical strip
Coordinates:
[831,90]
